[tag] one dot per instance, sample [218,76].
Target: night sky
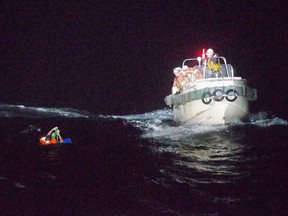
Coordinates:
[118,58]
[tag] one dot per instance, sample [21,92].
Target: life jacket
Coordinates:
[179,81]
[213,64]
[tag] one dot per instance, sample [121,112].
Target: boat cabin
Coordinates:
[226,70]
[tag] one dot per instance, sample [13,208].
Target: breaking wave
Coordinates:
[10,111]
[160,124]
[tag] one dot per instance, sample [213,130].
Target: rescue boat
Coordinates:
[209,98]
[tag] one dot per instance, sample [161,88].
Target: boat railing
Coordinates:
[226,69]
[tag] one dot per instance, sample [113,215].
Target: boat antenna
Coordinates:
[203,54]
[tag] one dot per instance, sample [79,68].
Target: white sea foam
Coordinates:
[263,119]
[164,114]
[160,124]
[8,110]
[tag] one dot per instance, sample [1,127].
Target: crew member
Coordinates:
[179,81]
[213,63]
[191,73]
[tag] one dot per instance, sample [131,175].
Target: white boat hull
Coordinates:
[215,113]
[190,106]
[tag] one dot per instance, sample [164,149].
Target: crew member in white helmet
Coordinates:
[213,63]
[179,81]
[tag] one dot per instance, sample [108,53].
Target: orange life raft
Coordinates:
[52,141]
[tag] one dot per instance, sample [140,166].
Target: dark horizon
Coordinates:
[118,58]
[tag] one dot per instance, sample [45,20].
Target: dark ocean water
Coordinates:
[143,164]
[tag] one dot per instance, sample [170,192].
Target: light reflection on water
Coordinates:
[200,154]
[212,157]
